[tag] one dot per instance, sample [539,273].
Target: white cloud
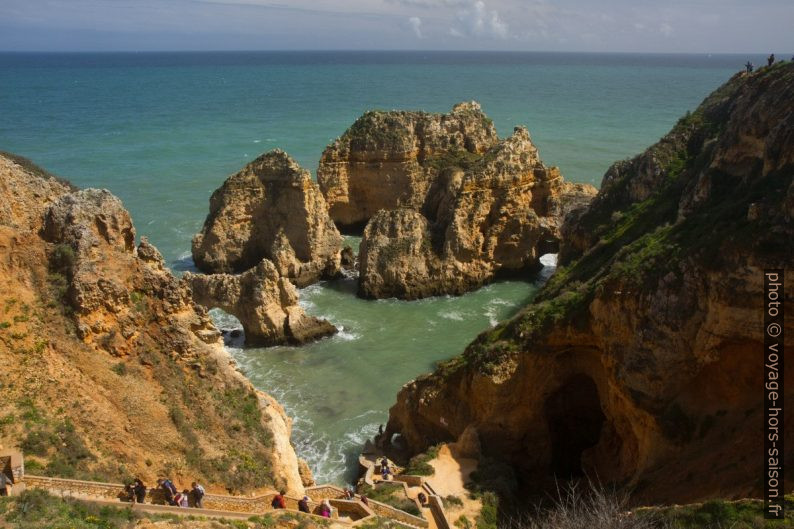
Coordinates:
[666,29]
[477,21]
[416,26]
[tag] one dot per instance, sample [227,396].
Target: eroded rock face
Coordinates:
[388,160]
[104,329]
[265,303]
[499,214]
[270,209]
[639,362]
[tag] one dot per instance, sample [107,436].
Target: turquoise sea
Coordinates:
[163,130]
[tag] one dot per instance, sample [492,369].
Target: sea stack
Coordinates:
[269,209]
[483,215]
[640,362]
[387,160]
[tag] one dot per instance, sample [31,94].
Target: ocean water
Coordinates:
[163,130]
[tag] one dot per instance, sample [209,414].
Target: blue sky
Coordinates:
[713,26]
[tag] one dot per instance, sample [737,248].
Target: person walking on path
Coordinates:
[325,509]
[182,498]
[198,494]
[303,505]
[139,490]
[169,490]
[278,501]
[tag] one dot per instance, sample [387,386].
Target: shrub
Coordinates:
[419,465]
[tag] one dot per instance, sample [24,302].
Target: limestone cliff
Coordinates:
[493,214]
[387,160]
[110,369]
[641,360]
[270,209]
[265,303]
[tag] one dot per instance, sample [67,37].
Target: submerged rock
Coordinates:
[270,209]
[265,303]
[499,214]
[640,361]
[387,160]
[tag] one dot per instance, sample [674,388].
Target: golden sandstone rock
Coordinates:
[270,209]
[493,214]
[640,361]
[106,349]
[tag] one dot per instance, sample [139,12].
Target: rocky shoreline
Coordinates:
[635,363]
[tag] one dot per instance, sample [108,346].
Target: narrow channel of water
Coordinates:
[338,390]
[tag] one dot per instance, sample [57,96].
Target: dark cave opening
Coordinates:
[574,417]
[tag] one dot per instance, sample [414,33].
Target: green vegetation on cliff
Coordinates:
[634,242]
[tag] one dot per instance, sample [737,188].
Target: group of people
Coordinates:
[136,493]
[769,62]
[279,502]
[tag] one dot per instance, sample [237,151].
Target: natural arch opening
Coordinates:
[230,327]
[574,418]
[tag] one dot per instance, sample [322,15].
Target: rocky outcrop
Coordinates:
[640,360]
[387,160]
[106,348]
[498,215]
[270,209]
[265,303]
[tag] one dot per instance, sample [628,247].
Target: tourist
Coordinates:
[770,60]
[198,494]
[364,499]
[303,505]
[139,489]
[278,501]
[325,509]
[129,493]
[180,498]
[4,484]
[749,67]
[169,490]
[422,498]
[349,494]
[384,469]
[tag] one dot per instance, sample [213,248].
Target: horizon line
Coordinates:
[391,50]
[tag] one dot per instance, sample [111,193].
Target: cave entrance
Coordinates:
[574,417]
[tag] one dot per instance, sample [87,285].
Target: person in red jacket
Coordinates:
[278,501]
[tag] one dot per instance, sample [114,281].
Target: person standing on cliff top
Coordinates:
[770,60]
[749,67]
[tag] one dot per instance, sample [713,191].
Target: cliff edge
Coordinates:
[110,369]
[640,361]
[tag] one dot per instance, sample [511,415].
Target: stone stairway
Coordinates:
[345,513]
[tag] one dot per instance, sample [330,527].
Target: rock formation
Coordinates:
[641,359]
[104,348]
[270,209]
[265,303]
[498,213]
[387,160]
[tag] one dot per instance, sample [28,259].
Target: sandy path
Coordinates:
[451,474]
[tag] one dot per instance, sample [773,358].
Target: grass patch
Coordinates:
[391,494]
[419,465]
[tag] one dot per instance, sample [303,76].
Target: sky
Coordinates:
[664,26]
